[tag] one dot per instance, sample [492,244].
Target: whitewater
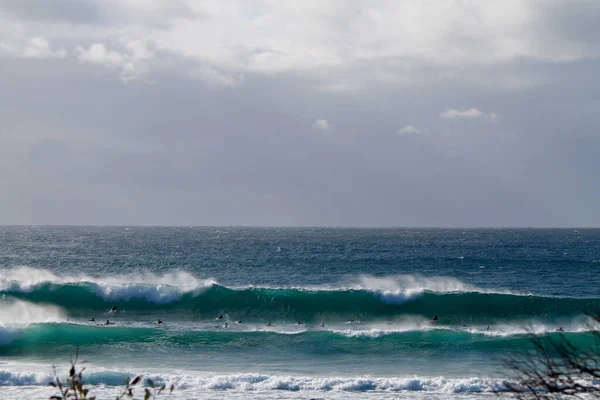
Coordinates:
[321,313]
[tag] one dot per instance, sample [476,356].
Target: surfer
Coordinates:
[352,321]
[109,323]
[434,319]
[158,321]
[239,321]
[220,316]
[488,328]
[92,320]
[299,323]
[560,329]
[322,324]
[226,325]
[113,309]
[269,324]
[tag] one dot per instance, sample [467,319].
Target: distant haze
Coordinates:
[315,112]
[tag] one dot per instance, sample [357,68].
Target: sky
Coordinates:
[421,113]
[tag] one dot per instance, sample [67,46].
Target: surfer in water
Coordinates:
[226,325]
[220,316]
[159,321]
[560,329]
[322,324]
[269,324]
[109,323]
[239,321]
[113,309]
[93,319]
[434,319]
[299,323]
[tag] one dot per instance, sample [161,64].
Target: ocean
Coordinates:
[321,313]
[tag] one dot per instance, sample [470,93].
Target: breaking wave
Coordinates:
[266,382]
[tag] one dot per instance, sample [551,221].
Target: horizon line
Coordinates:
[297,226]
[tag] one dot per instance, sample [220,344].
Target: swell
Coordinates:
[40,338]
[306,304]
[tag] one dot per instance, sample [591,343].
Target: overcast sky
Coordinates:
[339,113]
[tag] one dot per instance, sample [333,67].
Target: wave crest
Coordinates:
[155,288]
[18,314]
[370,299]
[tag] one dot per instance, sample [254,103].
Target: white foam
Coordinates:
[406,324]
[577,324]
[377,330]
[24,378]
[402,288]
[267,382]
[149,286]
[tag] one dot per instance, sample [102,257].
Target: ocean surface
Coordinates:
[325,313]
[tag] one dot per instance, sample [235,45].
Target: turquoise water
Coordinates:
[329,313]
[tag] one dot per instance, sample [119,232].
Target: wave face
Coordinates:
[310,340]
[379,299]
[40,311]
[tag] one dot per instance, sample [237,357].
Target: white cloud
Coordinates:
[34,47]
[322,125]
[98,54]
[470,113]
[38,47]
[390,39]
[131,64]
[17,40]
[409,130]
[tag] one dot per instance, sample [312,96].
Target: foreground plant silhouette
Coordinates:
[74,386]
[556,368]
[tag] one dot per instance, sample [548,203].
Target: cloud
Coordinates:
[34,47]
[321,125]
[131,63]
[362,68]
[392,42]
[38,47]
[470,113]
[409,130]
[16,40]
[97,54]
[214,78]
[273,38]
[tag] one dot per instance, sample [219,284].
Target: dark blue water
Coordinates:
[544,261]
